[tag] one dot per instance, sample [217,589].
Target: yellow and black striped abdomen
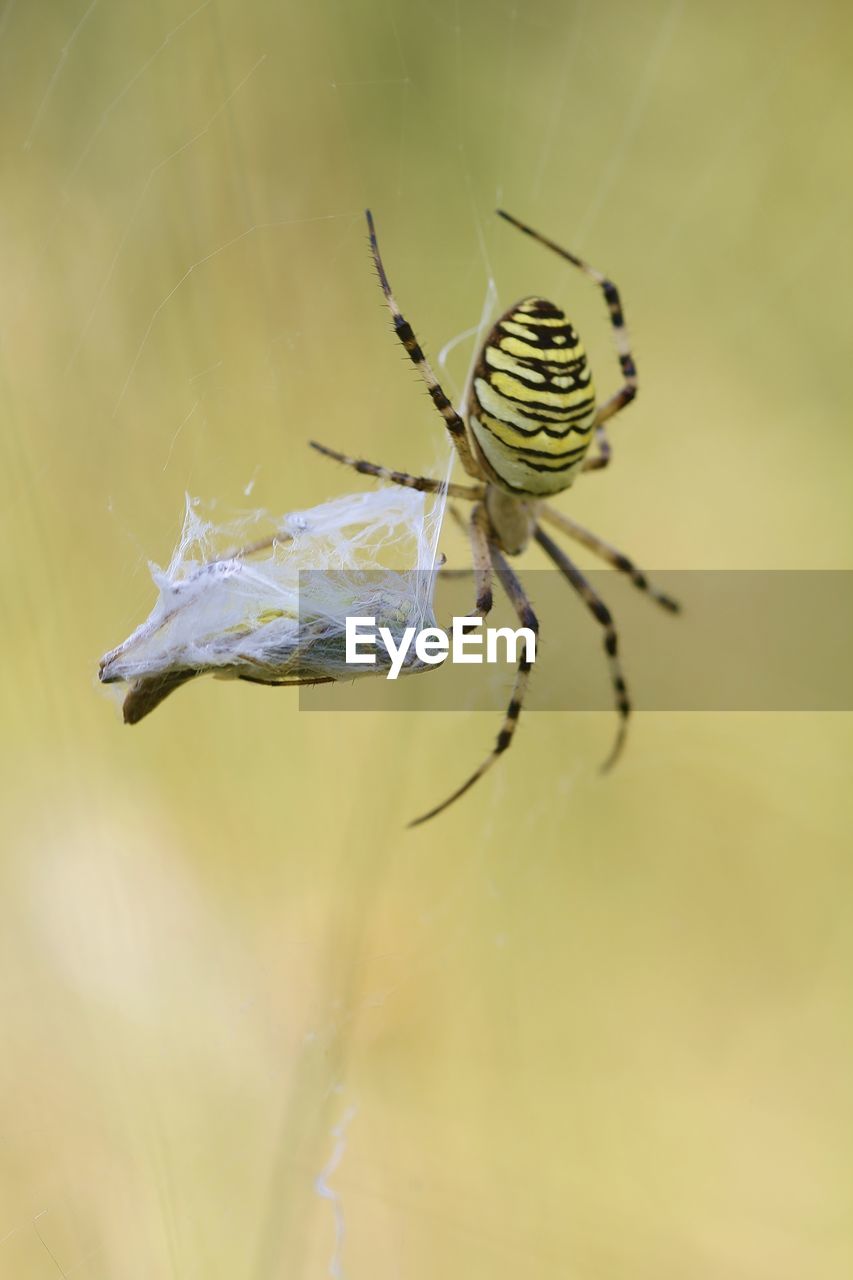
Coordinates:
[532,400]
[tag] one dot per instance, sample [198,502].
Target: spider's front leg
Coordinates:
[528,619]
[426,484]
[404,331]
[630,386]
[477,532]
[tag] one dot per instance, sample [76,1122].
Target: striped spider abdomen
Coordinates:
[532,405]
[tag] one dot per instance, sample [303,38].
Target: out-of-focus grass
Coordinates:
[596,1027]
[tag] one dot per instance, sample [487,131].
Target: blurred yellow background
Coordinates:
[252,1027]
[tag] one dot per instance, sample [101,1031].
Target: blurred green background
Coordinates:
[253,1028]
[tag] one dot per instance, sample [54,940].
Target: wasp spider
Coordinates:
[531,417]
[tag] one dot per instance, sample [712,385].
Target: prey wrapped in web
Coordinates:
[272,609]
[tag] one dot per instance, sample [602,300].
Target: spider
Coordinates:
[529,422]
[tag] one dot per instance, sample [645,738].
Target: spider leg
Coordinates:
[477,531]
[527,617]
[628,390]
[602,458]
[607,553]
[402,328]
[424,483]
[480,553]
[601,613]
[460,521]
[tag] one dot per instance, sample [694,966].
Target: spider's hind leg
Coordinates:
[609,554]
[602,615]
